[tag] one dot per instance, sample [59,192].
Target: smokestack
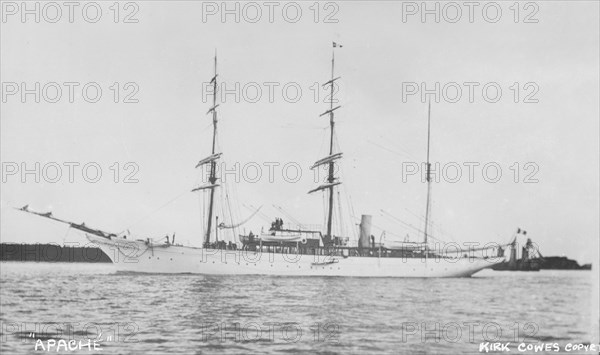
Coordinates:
[365,231]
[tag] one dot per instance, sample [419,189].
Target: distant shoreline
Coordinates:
[545,263]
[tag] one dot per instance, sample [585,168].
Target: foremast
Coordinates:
[332,181]
[211,161]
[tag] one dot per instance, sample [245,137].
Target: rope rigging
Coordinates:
[155,211]
[289,216]
[224,226]
[260,214]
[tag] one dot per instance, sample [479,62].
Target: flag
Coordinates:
[518,230]
[337,45]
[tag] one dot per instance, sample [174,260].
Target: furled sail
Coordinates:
[325,186]
[329,111]
[209,159]
[82,227]
[205,187]
[327,160]
[331,81]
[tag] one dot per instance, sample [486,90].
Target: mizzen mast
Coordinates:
[428,177]
[211,160]
[332,181]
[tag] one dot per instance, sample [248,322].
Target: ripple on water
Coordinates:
[187,313]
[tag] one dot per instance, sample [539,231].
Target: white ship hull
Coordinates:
[138,256]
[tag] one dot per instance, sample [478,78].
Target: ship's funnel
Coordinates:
[365,231]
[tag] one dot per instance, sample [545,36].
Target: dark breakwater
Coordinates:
[51,253]
[562,263]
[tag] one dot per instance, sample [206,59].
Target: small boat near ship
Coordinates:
[281,250]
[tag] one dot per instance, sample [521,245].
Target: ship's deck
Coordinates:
[298,248]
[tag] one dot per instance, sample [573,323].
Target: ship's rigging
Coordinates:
[280,241]
[329,161]
[225,204]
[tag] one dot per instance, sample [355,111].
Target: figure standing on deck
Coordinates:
[277,224]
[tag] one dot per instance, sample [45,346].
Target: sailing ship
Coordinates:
[281,250]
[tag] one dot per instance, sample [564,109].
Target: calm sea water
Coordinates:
[157,314]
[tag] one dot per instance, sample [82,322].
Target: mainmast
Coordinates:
[330,177]
[211,160]
[330,160]
[428,176]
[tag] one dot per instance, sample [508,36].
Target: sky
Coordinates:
[161,55]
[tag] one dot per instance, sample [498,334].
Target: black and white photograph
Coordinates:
[299,177]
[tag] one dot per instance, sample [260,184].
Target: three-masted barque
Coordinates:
[283,251]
